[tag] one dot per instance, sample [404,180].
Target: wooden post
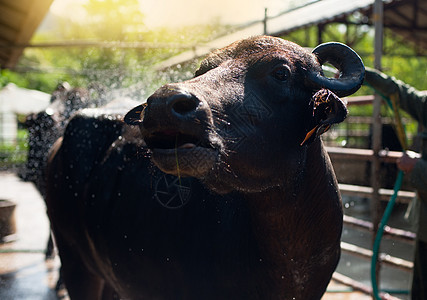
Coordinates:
[377,126]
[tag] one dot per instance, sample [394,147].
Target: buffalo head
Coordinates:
[246,120]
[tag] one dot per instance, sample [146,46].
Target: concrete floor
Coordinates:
[24,273]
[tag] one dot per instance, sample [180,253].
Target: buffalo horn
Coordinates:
[348,63]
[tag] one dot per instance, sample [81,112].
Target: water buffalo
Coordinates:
[218,187]
[45,127]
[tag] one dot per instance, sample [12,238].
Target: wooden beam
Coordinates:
[363,154]
[367,253]
[36,11]
[393,233]
[359,286]
[359,100]
[366,192]
[11,17]
[17,5]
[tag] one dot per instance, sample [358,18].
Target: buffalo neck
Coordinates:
[293,224]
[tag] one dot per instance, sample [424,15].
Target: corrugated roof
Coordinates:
[315,13]
[407,18]
[19,20]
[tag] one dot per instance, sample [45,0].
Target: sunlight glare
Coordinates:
[172,13]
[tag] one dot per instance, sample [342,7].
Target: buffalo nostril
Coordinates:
[183,104]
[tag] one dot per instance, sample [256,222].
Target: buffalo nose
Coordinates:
[182,104]
[170,105]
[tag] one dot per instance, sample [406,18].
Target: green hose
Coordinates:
[394,105]
[380,232]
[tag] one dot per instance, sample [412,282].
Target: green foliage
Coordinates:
[112,67]
[14,155]
[116,67]
[112,20]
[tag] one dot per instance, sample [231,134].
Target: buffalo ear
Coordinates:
[135,115]
[328,109]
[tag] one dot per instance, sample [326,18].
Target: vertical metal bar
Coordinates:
[319,33]
[347,33]
[265,20]
[307,37]
[379,31]
[377,125]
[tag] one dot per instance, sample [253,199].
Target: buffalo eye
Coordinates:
[281,73]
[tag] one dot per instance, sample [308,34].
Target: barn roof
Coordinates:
[19,20]
[407,18]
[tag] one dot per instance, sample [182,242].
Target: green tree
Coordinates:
[114,20]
